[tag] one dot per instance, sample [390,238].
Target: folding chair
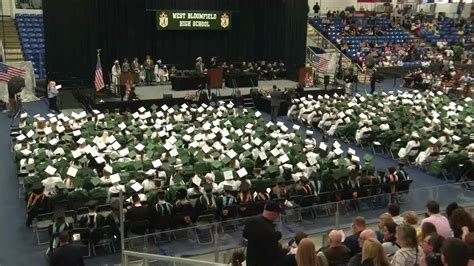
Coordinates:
[203,228]
[70,217]
[81,237]
[139,228]
[103,236]
[307,203]
[104,210]
[230,223]
[41,223]
[81,212]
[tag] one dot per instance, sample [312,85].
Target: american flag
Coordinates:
[320,63]
[8,72]
[99,77]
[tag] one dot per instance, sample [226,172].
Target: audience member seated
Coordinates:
[356,259]
[306,254]
[353,241]
[431,246]
[454,252]
[425,230]
[439,221]
[290,258]
[373,253]
[461,223]
[394,209]
[336,253]
[409,252]
[389,244]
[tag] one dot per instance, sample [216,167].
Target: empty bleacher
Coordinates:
[31,32]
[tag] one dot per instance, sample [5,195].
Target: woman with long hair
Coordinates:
[461,223]
[373,253]
[306,254]
[389,239]
[409,254]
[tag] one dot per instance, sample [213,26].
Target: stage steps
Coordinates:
[11,41]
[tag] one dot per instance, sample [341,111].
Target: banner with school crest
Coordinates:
[193,20]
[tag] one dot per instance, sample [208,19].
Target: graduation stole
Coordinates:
[393,177]
[263,196]
[57,229]
[307,189]
[89,219]
[318,187]
[163,206]
[33,199]
[245,197]
[209,203]
[227,200]
[338,195]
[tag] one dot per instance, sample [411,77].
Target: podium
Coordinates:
[215,77]
[305,76]
[124,78]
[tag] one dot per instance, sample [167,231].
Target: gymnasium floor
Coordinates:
[18,244]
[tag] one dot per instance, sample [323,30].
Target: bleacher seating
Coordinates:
[31,31]
[447,32]
[391,35]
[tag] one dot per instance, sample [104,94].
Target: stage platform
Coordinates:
[149,95]
[157,91]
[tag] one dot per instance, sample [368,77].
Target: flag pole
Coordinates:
[95,90]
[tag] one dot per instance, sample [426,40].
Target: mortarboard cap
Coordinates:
[71,171]
[50,170]
[136,187]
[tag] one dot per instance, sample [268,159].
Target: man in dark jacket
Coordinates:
[262,238]
[275,99]
[66,254]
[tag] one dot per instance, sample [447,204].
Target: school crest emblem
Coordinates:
[163,20]
[224,20]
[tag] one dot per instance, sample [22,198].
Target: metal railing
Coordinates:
[327,44]
[215,242]
[150,259]
[2,52]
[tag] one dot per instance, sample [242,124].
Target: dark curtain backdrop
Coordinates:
[261,30]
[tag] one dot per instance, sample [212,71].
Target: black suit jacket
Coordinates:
[68,255]
[136,214]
